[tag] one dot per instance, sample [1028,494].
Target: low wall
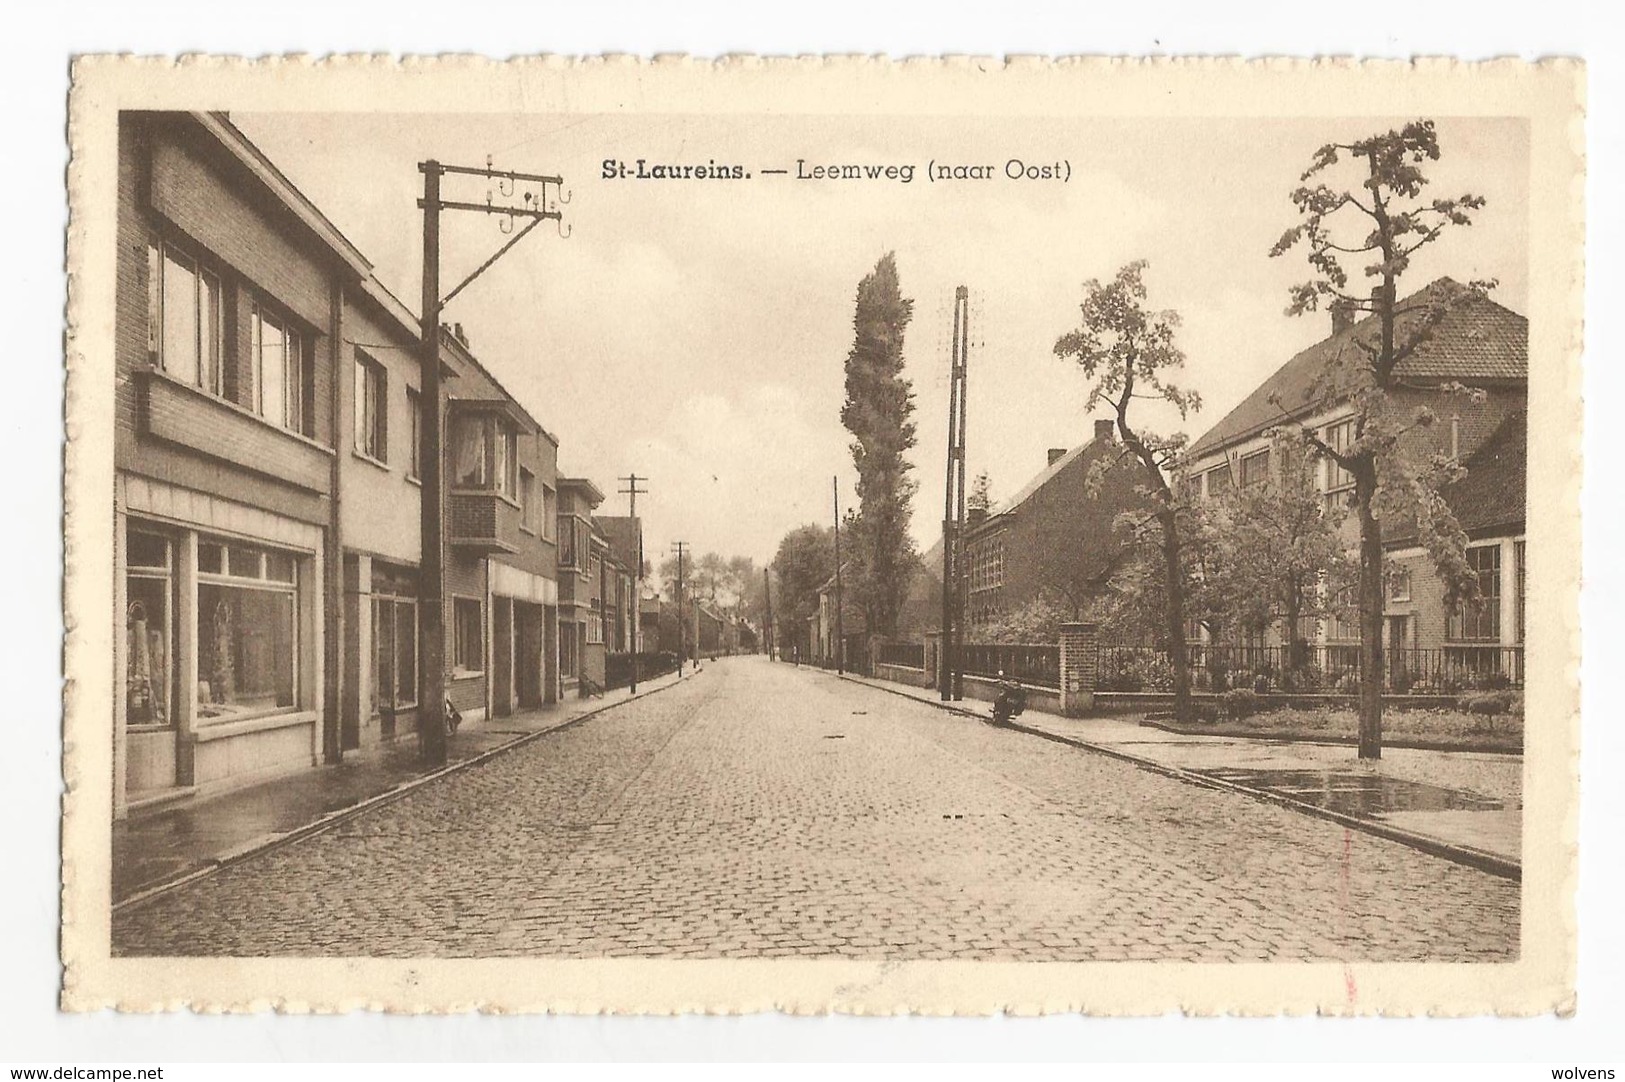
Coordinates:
[1132,702]
[986,689]
[903,674]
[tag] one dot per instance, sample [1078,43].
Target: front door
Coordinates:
[1397,633]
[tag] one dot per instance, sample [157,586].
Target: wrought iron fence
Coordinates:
[1313,668]
[1038,664]
[908,655]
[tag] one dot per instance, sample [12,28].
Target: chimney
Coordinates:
[1103,430]
[1342,316]
[1055,454]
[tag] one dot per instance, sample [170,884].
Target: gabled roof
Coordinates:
[1030,489]
[1475,341]
[1491,497]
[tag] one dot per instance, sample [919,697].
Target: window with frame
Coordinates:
[550,512]
[484,450]
[185,325]
[149,635]
[595,622]
[247,631]
[1343,619]
[1218,480]
[1399,584]
[1518,555]
[1339,483]
[1255,468]
[567,541]
[414,413]
[527,500]
[281,373]
[371,408]
[468,637]
[1479,620]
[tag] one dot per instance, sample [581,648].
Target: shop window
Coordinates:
[468,637]
[149,636]
[1480,620]
[371,408]
[247,634]
[185,331]
[395,653]
[282,374]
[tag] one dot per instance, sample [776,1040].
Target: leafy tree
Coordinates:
[1374,213]
[1272,552]
[879,403]
[804,562]
[1129,352]
[980,497]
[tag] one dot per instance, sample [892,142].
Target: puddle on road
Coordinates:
[1365,795]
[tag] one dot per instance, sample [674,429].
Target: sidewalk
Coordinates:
[159,848]
[1466,806]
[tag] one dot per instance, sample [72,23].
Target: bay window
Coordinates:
[484,453]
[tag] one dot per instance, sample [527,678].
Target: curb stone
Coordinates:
[265,843]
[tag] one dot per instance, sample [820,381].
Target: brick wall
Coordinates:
[139,225]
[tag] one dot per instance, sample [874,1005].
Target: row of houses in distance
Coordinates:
[267,451]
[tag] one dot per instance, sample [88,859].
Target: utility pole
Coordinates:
[431,519]
[840,624]
[631,491]
[767,627]
[953,509]
[680,547]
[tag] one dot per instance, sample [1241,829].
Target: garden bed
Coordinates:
[1448,728]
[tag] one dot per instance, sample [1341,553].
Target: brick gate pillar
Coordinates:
[1079,656]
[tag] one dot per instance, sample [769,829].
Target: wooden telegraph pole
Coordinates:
[840,623]
[949,682]
[431,520]
[631,492]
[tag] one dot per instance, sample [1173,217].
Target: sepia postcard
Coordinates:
[505,569]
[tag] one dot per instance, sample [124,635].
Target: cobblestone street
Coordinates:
[761,810]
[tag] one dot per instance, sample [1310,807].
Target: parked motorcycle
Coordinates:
[1010,701]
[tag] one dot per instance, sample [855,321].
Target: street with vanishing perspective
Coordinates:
[761,809]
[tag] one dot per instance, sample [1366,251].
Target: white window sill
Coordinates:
[357,453]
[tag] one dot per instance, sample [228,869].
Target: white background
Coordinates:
[41,39]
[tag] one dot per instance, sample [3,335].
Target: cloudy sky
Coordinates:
[695,331]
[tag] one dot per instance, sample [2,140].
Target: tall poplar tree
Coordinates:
[877,411]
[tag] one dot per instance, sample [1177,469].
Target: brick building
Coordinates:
[581,584]
[266,497]
[1056,539]
[1480,344]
